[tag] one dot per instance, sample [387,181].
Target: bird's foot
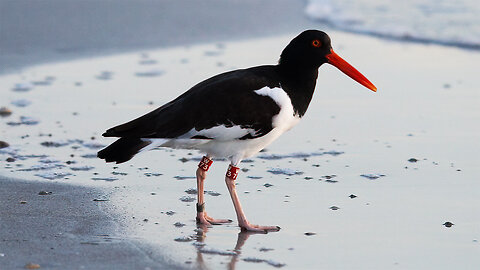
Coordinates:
[257,228]
[203,218]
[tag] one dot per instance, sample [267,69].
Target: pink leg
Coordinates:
[242,220]
[202,216]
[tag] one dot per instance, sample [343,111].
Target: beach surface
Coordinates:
[367,180]
[64,226]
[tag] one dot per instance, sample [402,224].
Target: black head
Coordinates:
[307,50]
[312,48]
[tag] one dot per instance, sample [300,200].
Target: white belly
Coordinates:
[236,150]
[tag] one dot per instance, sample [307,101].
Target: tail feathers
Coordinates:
[122,149]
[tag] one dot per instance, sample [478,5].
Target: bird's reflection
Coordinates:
[235,254]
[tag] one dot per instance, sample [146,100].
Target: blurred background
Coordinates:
[38,31]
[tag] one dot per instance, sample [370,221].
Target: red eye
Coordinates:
[316,43]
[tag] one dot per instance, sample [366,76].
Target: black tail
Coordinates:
[122,149]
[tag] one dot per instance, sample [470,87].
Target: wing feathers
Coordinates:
[223,107]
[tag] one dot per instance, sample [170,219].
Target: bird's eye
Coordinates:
[316,43]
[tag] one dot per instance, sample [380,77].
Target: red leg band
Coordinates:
[232,172]
[205,163]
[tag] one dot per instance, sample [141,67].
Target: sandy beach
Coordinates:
[385,180]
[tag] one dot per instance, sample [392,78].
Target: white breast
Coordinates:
[286,118]
[236,150]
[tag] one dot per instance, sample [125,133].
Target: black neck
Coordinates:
[299,83]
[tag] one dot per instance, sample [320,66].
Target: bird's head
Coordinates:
[311,49]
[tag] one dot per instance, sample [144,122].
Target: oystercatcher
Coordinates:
[234,115]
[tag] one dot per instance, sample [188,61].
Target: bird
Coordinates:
[233,116]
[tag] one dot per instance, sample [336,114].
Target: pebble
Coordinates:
[187,199]
[183,239]
[4,111]
[413,160]
[44,192]
[191,191]
[10,159]
[212,193]
[179,224]
[448,224]
[372,176]
[3,144]
[32,266]
[149,174]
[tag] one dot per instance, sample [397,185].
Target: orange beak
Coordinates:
[350,71]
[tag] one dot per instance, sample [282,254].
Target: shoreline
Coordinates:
[64,228]
[94,28]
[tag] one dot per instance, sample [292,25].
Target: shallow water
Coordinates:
[390,221]
[453,23]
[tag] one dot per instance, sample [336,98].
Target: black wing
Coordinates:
[227,99]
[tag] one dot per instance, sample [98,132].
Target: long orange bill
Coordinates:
[350,71]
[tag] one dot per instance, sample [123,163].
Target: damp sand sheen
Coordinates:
[407,154]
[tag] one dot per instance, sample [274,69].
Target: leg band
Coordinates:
[200,207]
[232,172]
[205,163]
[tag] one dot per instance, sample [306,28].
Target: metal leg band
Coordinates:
[200,207]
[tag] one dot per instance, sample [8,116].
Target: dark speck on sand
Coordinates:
[4,111]
[448,224]
[3,144]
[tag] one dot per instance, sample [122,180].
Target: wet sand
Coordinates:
[64,226]
[366,180]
